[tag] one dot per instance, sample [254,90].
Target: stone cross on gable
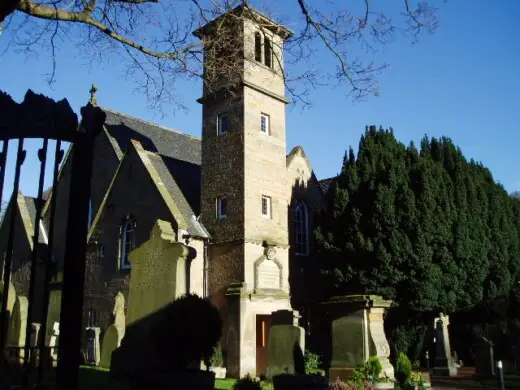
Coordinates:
[93,91]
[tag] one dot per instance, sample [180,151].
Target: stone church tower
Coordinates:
[244,200]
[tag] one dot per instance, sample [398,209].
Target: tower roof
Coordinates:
[246,11]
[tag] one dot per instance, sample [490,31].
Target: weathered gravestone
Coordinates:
[286,343]
[159,272]
[17,329]
[484,360]
[115,332]
[93,349]
[444,364]
[355,332]
[54,341]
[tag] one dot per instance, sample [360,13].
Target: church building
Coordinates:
[236,196]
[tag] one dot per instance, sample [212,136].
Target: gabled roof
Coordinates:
[122,128]
[162,171]
[26,207]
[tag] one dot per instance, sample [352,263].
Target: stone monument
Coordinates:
[444,364]
[159,272]
[115,332]
[17,328]
[355,332]
[286,344]
[484,360]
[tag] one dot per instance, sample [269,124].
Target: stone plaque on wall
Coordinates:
[268,275]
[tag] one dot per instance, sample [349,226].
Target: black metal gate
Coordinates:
[42,118]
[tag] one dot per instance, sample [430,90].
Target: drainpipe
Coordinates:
[205,268]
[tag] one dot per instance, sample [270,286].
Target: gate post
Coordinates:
[71,314]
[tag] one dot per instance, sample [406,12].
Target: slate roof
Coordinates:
[154,138]
[327,186]
[185,190]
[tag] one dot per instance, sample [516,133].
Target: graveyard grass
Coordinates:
[97,378]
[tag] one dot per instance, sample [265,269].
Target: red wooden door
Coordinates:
[263,323]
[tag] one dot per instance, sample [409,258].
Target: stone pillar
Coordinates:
[355,332]
[444,364]
[93,349]
[377,334]
[286,345]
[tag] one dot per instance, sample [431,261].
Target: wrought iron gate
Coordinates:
[42,118]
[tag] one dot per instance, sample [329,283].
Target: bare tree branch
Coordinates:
[154,40]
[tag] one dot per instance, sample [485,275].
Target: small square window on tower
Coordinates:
[266,206]
[265,124]
[221,208]
[222,124]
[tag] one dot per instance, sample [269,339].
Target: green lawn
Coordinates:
[96,378]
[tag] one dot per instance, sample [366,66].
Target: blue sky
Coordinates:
[461,82]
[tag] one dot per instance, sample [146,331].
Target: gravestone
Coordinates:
[286,344]
[484,360]
[444,364]
[53,313]
[356,332]
[158,277]
[159,271]
[54,341]
[93,349]
[17,328]
[115,332]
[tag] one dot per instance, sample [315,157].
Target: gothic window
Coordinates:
[258,47]
[268,50]
[127,242]
[92,320]
[222,124]
[301,229]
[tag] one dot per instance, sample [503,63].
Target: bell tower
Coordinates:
[244,196]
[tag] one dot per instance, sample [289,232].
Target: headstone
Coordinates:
[53,316]
[484,360]
[159,270]
[54,341]
[356,332]
[17,328]
[286,343]
[93,349]
[444,364]
[158,277]
[114,333]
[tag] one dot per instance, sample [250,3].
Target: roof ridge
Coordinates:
[151,123]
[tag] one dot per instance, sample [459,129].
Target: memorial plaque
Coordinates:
[268,275]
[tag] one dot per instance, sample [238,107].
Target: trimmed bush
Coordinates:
[403,370]
[373,368]
[217,359]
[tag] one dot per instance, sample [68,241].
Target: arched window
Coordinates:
[301,229]
[126,242]
[258,47]
[267,52]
